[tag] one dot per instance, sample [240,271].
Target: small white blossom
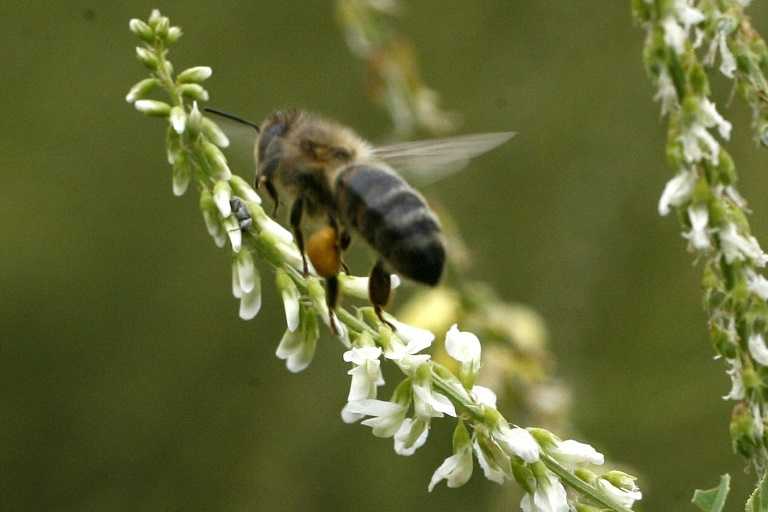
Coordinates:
[456,470]
[246,285]
[666,93]
[737,247]
[232,229]
[572,453]
[758,349]
[693,137]
[411,436]
[463,346]
[733,194]
[222,194]
[366,378]
[517,441]
[405,348]
[428,403]
[727,60]
[549,496]
[687,14]
[290,295]
[674,34]
[624,497]
[737,384]
[677,191]
[757,284]
[713,118]
[698,236]
[386,417]
[356,286]
[178,119]
[491,471]
[484,396]
[297,349]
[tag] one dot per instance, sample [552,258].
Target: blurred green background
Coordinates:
[129,383]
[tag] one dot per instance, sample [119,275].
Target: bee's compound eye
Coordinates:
[323,252]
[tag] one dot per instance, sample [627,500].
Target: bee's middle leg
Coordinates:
[332,299]
[379,289]
[297,211]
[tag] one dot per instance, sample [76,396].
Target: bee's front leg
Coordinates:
[297,211]
[379,289]
[266,183]
[332,299]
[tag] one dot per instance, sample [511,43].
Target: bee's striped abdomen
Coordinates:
[394,219]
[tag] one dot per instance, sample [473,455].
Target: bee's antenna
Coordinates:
[233,118]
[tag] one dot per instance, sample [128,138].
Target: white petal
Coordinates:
[300,359]
[737,247]
[573,453]
[291,306]
[699,233]
[625,498]
[758,349]
[246,271]
[289,344]
[178,119]
[550,496]
[456,470]
[462,346]
[757,284]
[737,384]
[360,355]
[677,191]
[347,416]
[411,436]
[415,338]
[222,194]
[236,290]
[728,64]
[431,404]
[674,34]
[492,474]
[518,441]
[713,118]
[484,396]
[250,303]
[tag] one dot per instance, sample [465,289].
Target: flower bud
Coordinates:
[290,295]
[213,132]
[217,160]
[141,89]
[181,175]
[222,193]
[193,91]
[244,190]
[152,107]
[194,75]
[147,57]
[174,34]
[178,119]
[195,119]
[141,29]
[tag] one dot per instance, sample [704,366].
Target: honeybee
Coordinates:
[332,174]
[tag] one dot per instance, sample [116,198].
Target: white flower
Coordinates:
[677,191]
[757,284]
[491,471]
[456,470]
[624,497]
[405,348]
[698,236]
[666,94]
[428,403]
[246,285]
[411,436]
[687,14]
[737,384]
[484,396]
[517,441]
[692,137]
[232,229]
[180,177]
[713,118]
[549,496]
[366,378]
[572,453]
[740,248]
[674,34]
[758,349]
[386,417]
[178,119]
[290,295]
[462,346]
[298,348]
[727,62]
[222,194]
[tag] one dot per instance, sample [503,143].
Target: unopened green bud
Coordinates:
[403,392]
[423,373]
[701,191]
[141,29]
[154,17]
[524,476]
[726,168]
[194,91]
[182,175]
[751,379]
[147,57]
[153,107]
[161,27]
[194,75]
[364,340]
[585,475]
[580,507]
[244,190]
[697,78]
[621,480]
[213,132]
[141,89]
[217,160]
[461,437]
[544,437]
[194,119]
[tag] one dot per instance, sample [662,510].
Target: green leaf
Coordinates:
[758,502]
[713,500]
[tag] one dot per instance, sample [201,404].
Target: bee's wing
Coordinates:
[430,160]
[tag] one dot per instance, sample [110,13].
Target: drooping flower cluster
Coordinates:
[537,460]
[703,190]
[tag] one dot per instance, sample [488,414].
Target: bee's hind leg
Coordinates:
[297,211]
[331,299]
[379,288]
